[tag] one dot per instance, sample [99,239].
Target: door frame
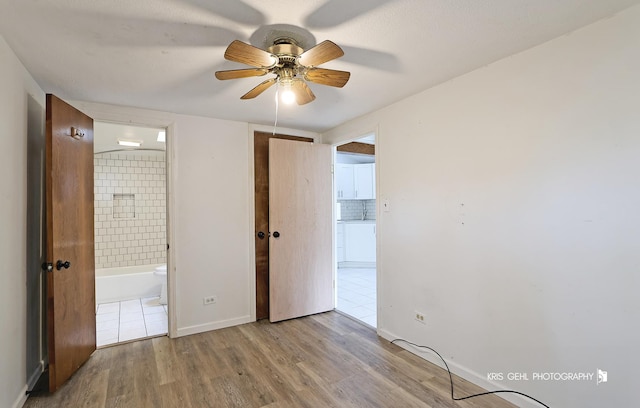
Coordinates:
[145,118]
[339,141]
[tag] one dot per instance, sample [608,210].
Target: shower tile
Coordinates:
[123,176]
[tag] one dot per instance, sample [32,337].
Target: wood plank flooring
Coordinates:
[325,360]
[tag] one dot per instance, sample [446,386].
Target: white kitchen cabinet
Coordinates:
[355,181]
[345,182]
[364,180]
[360,242]
[340,242]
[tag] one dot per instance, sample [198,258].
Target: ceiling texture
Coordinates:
[162,54]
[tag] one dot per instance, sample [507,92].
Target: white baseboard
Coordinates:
[201,328]
[22,398]
[463,372]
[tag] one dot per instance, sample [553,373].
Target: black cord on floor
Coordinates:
[451,378]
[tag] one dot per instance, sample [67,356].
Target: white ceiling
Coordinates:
[161,54]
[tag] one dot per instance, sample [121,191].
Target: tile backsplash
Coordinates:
[130,209]
[352,209]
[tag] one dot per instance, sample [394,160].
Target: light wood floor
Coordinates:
[326,360]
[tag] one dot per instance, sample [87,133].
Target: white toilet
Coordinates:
[161,273]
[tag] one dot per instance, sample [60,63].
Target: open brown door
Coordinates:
[71,317]
[300,208]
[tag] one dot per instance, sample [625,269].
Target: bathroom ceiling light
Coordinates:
[161,136]
[129,143]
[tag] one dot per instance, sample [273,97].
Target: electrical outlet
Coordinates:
[209,300]
[419,316]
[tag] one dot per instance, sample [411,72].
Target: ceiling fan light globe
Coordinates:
[288,97]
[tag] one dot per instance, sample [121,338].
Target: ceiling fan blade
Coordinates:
[240,73]
[259,89]
[321,53]
[245,53]
[303,92]
[329,77]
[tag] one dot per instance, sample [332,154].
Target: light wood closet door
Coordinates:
[300,267]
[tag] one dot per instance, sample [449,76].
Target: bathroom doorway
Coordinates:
[130,227]
[355,184]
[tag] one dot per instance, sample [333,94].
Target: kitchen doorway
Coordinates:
[355,193]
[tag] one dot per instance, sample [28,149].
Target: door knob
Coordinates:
[261,235]
[60,264]
[276,234]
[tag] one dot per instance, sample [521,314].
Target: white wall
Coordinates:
[213,233]
[210,224]
[210,173]
[19,91]
[515,225]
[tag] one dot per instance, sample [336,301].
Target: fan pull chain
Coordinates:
[275,124]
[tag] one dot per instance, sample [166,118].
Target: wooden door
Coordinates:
[300,208]
[71,318]
[261,177]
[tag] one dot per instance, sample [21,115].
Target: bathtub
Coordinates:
[126,283]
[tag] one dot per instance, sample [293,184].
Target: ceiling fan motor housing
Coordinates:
[286,49]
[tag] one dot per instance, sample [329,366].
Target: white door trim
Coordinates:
[142,117]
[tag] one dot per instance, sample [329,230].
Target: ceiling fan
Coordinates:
[291,64]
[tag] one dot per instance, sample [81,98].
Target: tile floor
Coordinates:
[128,320]
[357,294]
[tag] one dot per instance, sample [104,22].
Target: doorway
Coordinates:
[130,230]
[355,185]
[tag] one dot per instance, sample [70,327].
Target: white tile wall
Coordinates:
[352,209]
[135,237]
